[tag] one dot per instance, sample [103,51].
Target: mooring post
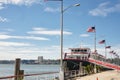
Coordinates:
[17,68]
[21,74]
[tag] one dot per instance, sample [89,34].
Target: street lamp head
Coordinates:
[71,6]
[76,4]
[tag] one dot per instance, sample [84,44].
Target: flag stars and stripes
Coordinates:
[108,47]
[91,29]
[111,52]
[102,42]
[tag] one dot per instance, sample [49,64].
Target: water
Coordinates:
[8,69]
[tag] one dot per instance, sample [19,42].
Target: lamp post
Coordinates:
[61,38]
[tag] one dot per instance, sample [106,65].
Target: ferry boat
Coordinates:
[78,60]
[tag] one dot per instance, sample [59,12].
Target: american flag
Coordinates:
[91,29]
[117,55]
[102,42]
[108,47]
[111,51]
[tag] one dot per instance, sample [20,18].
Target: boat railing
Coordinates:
[72,74]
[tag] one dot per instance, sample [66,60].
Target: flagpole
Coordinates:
[61,40]
[93,29]
[61,44]
[105,51]
[95,48]
[111,56]
[95,40]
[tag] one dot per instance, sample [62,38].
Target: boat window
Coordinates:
[81,50]
[76,50]
[85,50]
[72,50]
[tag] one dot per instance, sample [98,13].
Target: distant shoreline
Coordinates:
[43,62]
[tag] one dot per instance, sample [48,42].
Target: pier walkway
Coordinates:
[106,75]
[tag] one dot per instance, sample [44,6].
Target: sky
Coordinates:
[31,28]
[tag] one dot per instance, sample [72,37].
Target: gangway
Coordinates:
[104,64]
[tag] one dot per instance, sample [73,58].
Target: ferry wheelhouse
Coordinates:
[78,54]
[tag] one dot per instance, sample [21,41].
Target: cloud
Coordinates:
[3,19]
[3,36]
[1,6]
[34,38]
[84,35]
[8,30]
[18,2]
[49,9]
[26,2]
[29,52]
[2,33]
[44,31]
[104,9]
[3,43]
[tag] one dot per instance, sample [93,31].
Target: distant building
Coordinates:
[40,59]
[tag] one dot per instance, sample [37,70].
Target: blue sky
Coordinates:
[31,28]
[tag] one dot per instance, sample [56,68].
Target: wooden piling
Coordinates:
[19,74]
[17,68]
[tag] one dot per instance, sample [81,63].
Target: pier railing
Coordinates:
[104,63]
[38,76]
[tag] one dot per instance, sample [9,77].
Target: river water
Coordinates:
[8,69]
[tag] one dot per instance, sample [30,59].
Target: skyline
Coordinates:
[31,28]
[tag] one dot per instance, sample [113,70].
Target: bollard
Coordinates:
[21,74]
[17,68]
